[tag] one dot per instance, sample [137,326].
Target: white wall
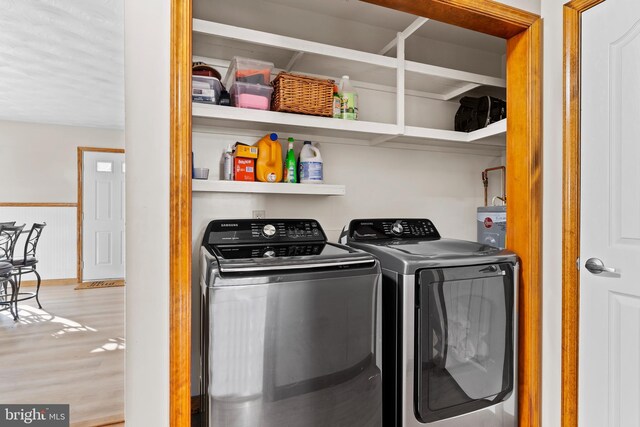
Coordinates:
[533,6]
[57,247]
[147,45]
[39,161]
[552,213]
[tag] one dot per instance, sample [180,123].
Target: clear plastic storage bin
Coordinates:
[245,70]
[205,89]
[247,95]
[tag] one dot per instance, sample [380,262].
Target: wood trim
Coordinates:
[524,234]
[102,150]
[486,16]
[523,31]
[37,205]
[81,151]
[79,211]
[571,208]
[180,214]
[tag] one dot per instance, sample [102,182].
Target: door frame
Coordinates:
[81,151]
[523,32]
[571,141]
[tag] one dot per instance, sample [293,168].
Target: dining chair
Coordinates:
[27,264]
[8,238]
[9,235]
[6,269]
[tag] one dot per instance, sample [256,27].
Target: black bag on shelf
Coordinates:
[477,113]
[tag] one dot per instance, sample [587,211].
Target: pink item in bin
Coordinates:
[252,101]
[248,95]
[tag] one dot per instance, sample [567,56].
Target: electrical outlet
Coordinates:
[258,214]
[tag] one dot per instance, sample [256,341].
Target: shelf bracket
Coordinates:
[460,91]
[293,61]
[412,28]
[400,82]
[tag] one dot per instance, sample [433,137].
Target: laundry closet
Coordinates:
[400,158]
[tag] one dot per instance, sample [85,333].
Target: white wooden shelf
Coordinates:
[231,117]
[222,41]
[374,133]
[215,186]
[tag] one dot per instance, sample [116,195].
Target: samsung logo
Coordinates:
[228,225]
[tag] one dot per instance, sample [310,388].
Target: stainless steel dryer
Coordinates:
[291,327]
[449,325]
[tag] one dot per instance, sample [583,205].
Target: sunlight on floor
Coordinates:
[111,345]
[32,315]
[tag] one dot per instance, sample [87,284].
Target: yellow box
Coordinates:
[246,151]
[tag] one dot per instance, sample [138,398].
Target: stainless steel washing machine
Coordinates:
[449,325]
[291,327]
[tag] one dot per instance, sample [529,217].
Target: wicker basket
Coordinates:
[302,94]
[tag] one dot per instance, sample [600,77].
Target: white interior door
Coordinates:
[103,215]
[609,370]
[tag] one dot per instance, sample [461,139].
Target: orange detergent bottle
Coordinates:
[269,163]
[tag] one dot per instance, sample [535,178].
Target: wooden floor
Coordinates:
[71,351]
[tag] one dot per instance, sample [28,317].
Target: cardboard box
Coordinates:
[246,151]
[244,169]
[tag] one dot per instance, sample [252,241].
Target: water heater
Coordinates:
[492,225]
[492,220]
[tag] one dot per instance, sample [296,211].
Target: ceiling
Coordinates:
[62,62]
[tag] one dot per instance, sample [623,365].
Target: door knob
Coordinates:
[596,266]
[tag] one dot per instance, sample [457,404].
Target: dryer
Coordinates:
[291,327]
[449,325]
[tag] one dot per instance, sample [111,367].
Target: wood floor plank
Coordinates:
[71,351]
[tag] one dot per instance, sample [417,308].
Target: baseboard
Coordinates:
[69,281]
[196,404]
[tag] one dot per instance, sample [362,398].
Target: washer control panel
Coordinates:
[379,229]
[256,231]
[268,251]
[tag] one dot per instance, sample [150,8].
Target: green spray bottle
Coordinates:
[290,169]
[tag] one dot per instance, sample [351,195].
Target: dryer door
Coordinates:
[464,340]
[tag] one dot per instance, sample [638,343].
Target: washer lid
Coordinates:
[407,256]
[263,259]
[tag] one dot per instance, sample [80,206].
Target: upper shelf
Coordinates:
[369,132]
[217,40]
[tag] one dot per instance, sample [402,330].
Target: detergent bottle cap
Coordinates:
[273,136]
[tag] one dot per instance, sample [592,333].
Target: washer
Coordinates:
[449,325]
[291,327]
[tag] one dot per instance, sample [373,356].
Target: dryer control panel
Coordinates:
[403,228]
[263,231]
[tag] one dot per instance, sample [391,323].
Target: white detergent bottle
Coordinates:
[310,164]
